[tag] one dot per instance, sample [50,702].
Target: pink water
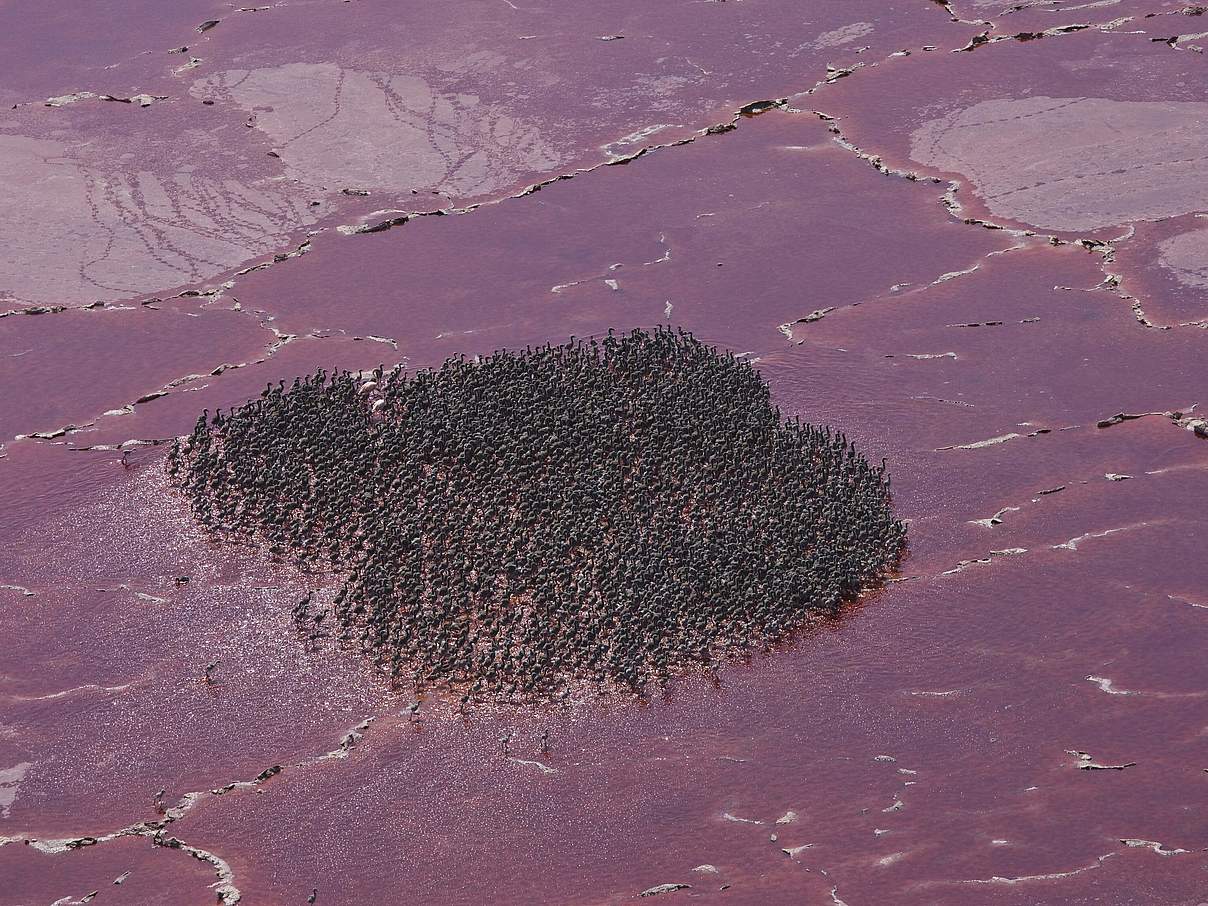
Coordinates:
[924,748]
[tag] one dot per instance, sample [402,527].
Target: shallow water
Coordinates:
[1019,719]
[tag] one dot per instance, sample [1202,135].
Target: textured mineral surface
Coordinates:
[968,235]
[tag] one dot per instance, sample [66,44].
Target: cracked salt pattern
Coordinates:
[326,123]
[1036,673]
[1074,164]
[1186,256]
[82,228]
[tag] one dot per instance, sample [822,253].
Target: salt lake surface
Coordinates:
[971,237]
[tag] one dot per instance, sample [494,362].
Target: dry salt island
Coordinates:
[602,512]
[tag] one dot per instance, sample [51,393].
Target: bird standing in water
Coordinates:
[506,526]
